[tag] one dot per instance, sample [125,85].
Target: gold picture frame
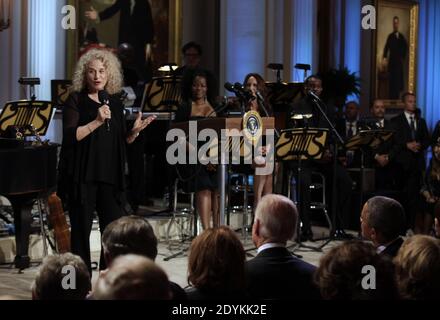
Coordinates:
[395,74]
[168,24]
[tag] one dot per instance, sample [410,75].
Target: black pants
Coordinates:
[136,172]
[99,196]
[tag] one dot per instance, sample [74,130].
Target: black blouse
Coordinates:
[100,157]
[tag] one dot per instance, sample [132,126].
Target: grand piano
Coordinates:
[27,173]
[27,168]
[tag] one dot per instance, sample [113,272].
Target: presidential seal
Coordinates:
[252,126]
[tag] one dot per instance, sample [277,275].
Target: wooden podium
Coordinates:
[219,124]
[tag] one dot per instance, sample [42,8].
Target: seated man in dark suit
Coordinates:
[306,113]
[275,273]
[411,139]
[382,222]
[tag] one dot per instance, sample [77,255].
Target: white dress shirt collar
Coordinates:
[269,246]
[408,118]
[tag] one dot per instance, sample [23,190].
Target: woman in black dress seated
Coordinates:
[92,159]
[198,100]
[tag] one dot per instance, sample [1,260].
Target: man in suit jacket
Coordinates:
[348,127]
[411,139]
[379,157]
[275,273]
[382,222]
[135,27]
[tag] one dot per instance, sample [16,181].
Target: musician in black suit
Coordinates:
[135,27]
[192,54]
[275,273]
[343,181]
[395,51]
[379,157]
[411,139]
[382,222]
[348,127]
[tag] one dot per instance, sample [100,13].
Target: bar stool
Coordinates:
[318,184]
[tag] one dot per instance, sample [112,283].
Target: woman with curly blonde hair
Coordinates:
[92,159]
[417,268]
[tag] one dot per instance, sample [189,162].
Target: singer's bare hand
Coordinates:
[92,14]
[103,114]
[140,124]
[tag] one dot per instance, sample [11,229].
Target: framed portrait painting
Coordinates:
[152,28]
[394,52]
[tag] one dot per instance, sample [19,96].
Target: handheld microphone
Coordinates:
[104,99]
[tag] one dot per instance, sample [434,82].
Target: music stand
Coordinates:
[362,141]
[27,117]
[298,145]
[162,94]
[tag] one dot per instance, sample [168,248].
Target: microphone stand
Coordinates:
[338,140]
[263,107]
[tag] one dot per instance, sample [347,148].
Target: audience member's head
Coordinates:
[62,277]
[192,54]
[409,102]
[276,219]
[216,261]
[355,271]
[351,111]
[129,234]
[133,277]
[417,268]
[378,109]
[382,220]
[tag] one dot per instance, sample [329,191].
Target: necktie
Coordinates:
[413,128]
[350,130]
